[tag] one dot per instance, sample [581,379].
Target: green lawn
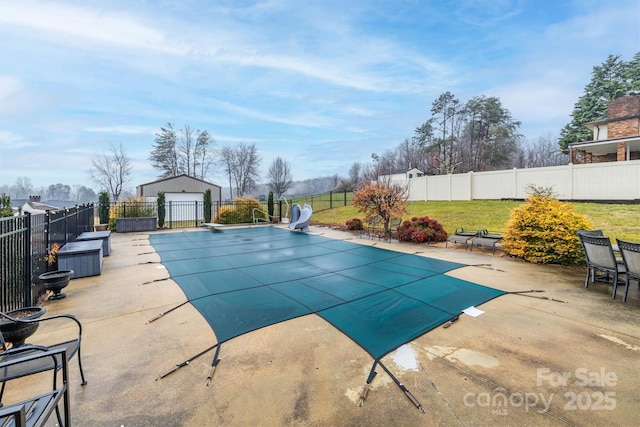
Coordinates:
[621,221]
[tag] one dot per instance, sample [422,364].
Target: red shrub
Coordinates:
[421,230]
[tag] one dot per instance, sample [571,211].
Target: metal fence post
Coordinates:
[47,229]
[27,279]
[66,225]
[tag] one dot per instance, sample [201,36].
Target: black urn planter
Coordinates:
[55,281]
[17,332]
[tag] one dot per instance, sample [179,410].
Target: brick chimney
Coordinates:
[34,199]
[627,112]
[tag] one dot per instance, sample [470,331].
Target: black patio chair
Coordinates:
[463,236]
[373,227]
[36,410]
[600,257]
[394,225]
[70,346]
[486,239]
[631,257]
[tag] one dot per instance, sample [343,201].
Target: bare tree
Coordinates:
[242,165]
[59,192]
[335,180]
[279,176]
[190,154]
[544,152]
[23,188]
[204,154]
[354,174]
[111,170]
[228,159]
[187,151]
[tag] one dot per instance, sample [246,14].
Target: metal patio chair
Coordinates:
[486,239]
[631,257]
[463,236]
[70,346]
[35,411]
[374,225]
[597,233]
[600,257]
[394,225]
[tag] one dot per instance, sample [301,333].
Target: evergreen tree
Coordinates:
[164,155]
[5,206]
[190,154]
[610,80]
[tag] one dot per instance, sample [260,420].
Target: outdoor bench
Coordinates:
[83,257]
[104,236]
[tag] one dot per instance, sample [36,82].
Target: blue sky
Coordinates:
[322,84]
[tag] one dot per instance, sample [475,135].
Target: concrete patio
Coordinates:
[571,359]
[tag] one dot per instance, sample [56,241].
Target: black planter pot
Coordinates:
[17,332]
[55,281]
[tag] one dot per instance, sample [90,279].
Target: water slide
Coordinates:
[300,217]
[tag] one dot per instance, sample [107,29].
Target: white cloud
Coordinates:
[326,84]
[83,24]
[122,129]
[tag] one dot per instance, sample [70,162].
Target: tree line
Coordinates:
[481,134]
[22,188]
[477,135]
[193,153]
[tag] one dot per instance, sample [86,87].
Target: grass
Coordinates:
[616,220]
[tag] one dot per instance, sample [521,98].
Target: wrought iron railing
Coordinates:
[24,243]
[26,239]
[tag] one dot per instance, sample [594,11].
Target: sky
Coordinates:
[321,84]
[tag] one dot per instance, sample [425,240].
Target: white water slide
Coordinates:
[300,217]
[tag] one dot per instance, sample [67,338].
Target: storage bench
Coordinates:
[104,236]
[84,258]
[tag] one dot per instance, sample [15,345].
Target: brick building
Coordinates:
[616,138]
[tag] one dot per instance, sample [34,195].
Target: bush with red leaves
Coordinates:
[421,230]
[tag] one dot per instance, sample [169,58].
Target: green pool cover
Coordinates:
[244,279]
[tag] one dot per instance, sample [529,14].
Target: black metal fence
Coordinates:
[187,214]
[25,240]
[325,201]
[24,244]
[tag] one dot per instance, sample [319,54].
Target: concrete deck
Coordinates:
[525,361]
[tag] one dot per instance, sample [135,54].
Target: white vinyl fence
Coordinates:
[595,181]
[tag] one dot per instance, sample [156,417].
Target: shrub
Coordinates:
[421,230]
[133,207]
[270,204]
[206,199]
[5,206]
[241,212]
[543,230]
[354,224]
[161,208]
[383,198]
[103,207]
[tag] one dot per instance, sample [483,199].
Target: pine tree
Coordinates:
[610,80]
[164,155]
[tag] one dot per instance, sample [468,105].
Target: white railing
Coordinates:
[595,181]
